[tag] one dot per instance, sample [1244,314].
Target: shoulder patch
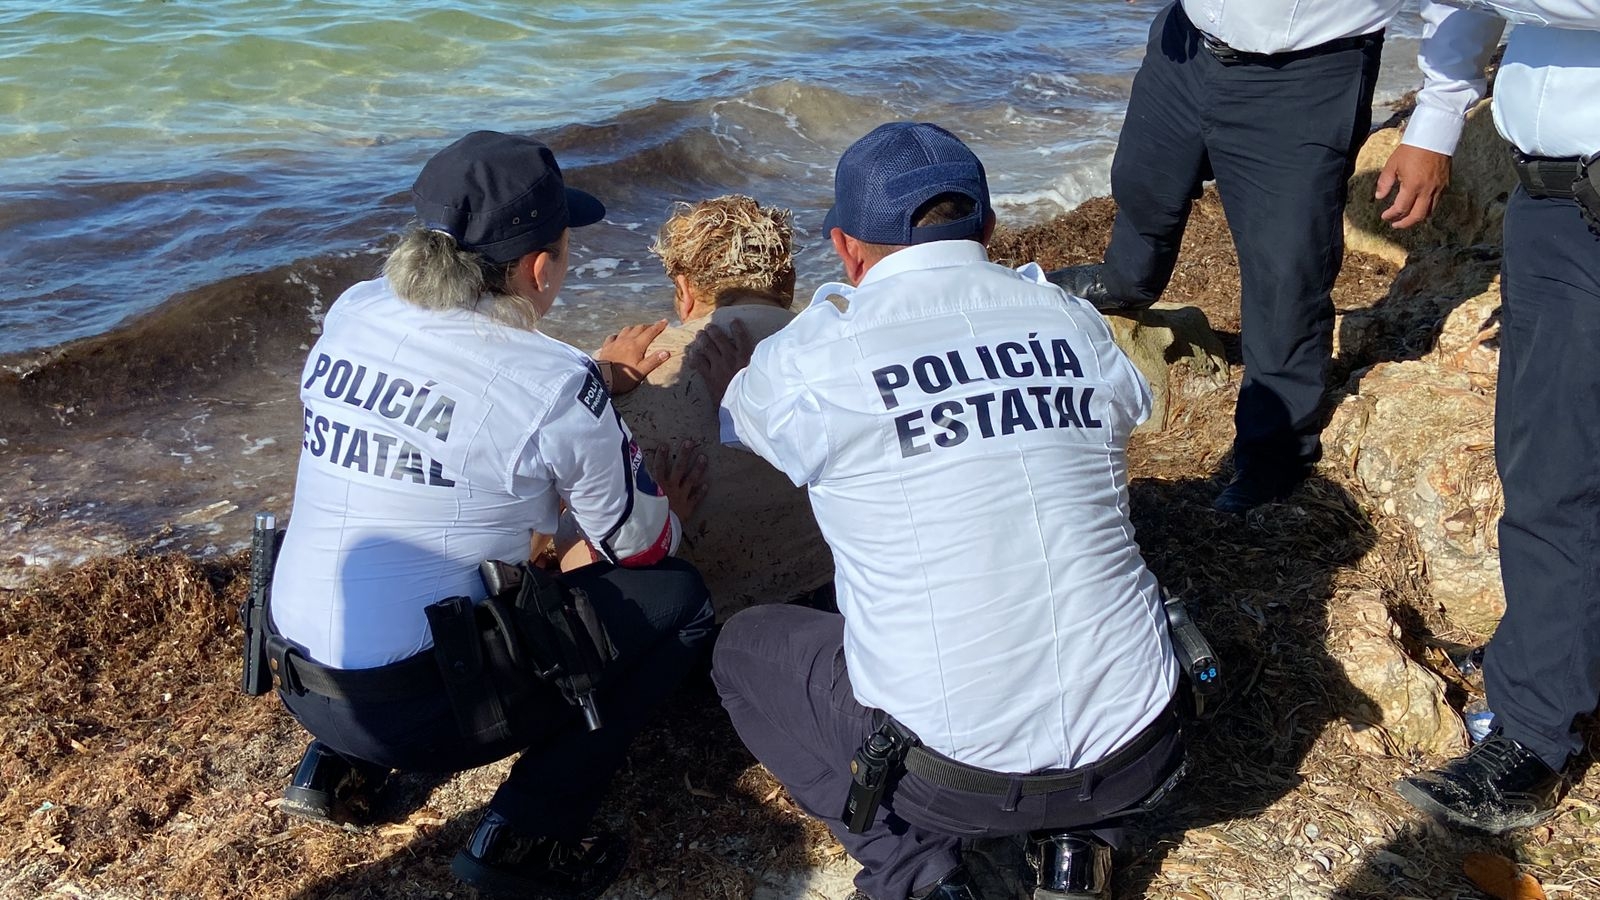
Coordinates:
[593,396]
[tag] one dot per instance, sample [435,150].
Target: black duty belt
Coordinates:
[946,772]
[1229,55]
[1548,177]
[408,679]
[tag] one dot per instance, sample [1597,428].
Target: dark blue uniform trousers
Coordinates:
[1543,665]
[1280,135]
[661,622]
[782,676]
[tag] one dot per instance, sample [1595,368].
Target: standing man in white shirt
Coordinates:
[962,429]
[1542,667]
[1273,99]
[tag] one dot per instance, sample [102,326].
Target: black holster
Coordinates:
[562,639]
[878,761]
[466,662]
[1575,178]
[1586,190]
[544,629]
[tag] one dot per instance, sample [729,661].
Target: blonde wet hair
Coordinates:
[729,243]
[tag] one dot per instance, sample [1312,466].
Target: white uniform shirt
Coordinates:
[963,428]
[1451,56]
[434,441]
[1547,95]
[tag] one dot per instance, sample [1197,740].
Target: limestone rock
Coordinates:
[1469,338]
[1404,709]
[1166,337]
[1469,212]
[1420,437]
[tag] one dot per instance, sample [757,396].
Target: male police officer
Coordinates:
[1543,665]
[1273,99]
[962,428]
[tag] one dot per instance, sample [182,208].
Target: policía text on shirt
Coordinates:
[369,451]
[996,412]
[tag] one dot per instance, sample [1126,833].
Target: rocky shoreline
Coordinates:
[131,766]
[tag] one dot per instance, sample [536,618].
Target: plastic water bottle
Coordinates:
[1479,719]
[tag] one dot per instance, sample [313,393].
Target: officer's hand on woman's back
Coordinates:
[628,351]
[681,472]
[718,355]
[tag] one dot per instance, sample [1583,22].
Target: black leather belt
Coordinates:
[1548,177]
[946,772]
[410,678]
[1228,55]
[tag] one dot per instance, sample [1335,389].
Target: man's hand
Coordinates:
[682,475]
[1422,176]
[719,355]
[628,351]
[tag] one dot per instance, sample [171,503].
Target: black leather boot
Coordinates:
[502,860]
[1069,864]
[1498,786]
[325,779]
[1087,282]
[1258,485]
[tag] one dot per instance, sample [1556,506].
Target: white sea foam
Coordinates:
[599,267]
[255,446]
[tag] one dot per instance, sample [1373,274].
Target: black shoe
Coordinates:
[1498,786]
[501,860]
[1087,282]
[1069,864]
[325,779]
[1253,487]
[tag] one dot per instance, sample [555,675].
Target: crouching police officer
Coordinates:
[1542,668]
[441,428]
[1002,664]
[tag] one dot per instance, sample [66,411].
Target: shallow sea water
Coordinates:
[189,184]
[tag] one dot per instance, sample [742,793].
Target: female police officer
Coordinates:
[441,428]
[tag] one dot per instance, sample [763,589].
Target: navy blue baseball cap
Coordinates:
[885,176]
[500,195]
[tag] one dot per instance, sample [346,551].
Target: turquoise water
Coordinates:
[152,148]
[155,147]
[107,84]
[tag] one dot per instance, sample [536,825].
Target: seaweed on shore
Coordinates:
[132,767]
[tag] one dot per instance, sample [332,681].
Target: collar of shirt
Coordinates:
[917,257]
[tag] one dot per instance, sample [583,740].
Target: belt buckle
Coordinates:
[1220,49]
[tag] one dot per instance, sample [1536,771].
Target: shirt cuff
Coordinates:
[1434,129]
[726,432]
